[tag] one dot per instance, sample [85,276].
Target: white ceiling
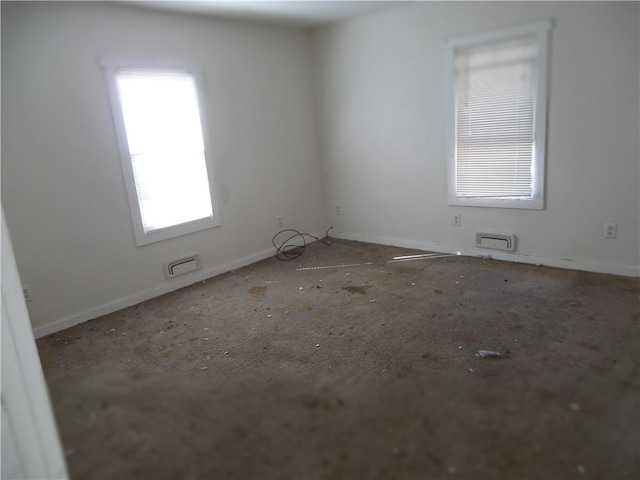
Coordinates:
[300,13]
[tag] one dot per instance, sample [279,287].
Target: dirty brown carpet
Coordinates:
[352,363]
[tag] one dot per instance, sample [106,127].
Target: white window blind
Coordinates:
[497,132]
[164,136]
[495,94]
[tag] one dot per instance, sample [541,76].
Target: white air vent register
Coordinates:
[182,266]
[496,241]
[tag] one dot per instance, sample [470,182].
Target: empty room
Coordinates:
[259,240]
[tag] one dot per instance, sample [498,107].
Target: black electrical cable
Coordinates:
[289,251]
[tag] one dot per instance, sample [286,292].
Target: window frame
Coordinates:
[110,69]
[541,31]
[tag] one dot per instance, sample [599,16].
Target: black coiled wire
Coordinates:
[290,251]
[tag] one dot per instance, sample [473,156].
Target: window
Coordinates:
[498,121]
[161,134]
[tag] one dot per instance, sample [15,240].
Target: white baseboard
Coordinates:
[175,284]
[625,270]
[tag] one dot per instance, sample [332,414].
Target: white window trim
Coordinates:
[110,67]
[541,31]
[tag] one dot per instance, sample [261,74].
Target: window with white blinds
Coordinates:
[161,136]
[499,112]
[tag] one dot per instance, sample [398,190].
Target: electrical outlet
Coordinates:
[280,224]
[337,209]
[28,295]
[457,220]
[610,230]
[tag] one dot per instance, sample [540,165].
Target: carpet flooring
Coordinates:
[358,361]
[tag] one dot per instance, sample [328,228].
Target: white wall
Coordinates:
[382,114]
[62,185]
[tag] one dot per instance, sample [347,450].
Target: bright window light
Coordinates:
[165,143]
[160,130]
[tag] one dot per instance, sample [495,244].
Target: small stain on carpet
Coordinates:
[361,289]
[258,290]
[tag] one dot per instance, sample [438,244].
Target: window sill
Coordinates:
[525,204]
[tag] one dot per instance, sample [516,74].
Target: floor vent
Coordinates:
[182,266]
[496,241]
